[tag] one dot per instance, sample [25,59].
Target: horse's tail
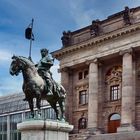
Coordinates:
[59,90]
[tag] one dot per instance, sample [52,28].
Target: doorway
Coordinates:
[113,123]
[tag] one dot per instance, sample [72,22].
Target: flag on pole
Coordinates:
[29,35]
[28,32]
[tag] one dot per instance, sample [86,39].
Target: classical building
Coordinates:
[100,69]
[14,110]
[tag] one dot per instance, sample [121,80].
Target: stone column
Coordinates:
[93,97]
[66,81]
[127,107]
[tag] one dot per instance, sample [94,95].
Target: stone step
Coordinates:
[78,136]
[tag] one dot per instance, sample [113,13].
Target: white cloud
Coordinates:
[5,55]
[81,16]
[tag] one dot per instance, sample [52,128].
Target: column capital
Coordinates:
[127,51]
[65,69]
[95,61]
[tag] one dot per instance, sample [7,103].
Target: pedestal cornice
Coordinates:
[44,125]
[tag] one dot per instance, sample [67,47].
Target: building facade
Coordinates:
[14,110]
[100,69]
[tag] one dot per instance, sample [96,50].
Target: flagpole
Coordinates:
[31,39]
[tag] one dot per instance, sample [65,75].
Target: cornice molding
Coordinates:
[94,41]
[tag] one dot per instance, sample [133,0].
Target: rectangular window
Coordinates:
[85,73]
[83,97]
[14,133]
[3,128]
[80,75]
[114,93]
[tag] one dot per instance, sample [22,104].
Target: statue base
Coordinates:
[44,130]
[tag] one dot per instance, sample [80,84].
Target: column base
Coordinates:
[126,128]
[94,131]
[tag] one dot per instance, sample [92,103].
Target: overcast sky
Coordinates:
[51,18]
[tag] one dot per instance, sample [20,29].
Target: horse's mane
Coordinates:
[26,60]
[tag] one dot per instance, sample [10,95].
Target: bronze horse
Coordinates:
[34,87]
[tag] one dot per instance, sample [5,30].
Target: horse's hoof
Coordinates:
[58,119]
[63,120]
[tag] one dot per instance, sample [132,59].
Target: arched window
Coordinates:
[115,117]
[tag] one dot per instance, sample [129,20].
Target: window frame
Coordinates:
[83,97]
[80,75]
[83,74]
[86,74]
[114,92]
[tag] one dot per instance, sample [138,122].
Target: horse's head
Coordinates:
[16,65]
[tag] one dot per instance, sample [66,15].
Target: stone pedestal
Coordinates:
[44,130]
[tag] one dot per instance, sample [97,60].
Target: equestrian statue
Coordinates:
[38,83]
